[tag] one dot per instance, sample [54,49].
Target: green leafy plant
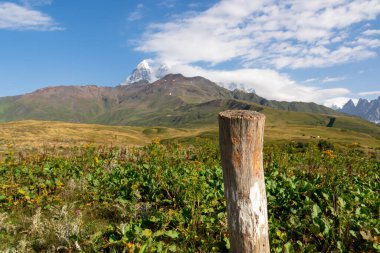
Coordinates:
[170,198]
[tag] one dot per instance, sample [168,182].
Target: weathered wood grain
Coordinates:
[241,143]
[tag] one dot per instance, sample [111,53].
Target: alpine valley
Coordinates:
[175,101]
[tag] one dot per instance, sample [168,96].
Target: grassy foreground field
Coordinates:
[92,188]
[169,198]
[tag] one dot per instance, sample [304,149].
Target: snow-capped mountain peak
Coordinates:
[140,73]
[150,70]
[143,65]
[147,70]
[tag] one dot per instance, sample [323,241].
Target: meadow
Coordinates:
[168,197]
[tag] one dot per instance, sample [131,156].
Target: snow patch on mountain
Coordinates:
[147,70]
[237,86]
[335,107]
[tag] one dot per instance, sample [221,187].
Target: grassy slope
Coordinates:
[29,134]
[304,126]
[280,126]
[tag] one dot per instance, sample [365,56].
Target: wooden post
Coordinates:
[241,142]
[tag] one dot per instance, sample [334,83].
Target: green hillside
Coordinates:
[198,121]
[174,100]
[288,106]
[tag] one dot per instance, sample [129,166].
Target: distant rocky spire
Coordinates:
[369,110]
[349,107]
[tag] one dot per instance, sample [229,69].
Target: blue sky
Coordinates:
[325,51]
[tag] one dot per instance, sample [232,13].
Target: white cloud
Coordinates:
[337,101]
[193,5]
[136,14]
[258,36]
[327,79]
[360,72]
[369,43]
[167,3]
[311,80]
[369,93]
[371,32]
[333,79]
[31,3]
[268,33]
[17,17]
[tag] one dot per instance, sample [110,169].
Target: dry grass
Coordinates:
[55,230]
[30,135]
[25,135]
[307,133]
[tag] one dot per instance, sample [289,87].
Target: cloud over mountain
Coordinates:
[266,82]
[264,39]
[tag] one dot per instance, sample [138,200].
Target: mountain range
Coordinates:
[149,71]
[369,110]
[173,100]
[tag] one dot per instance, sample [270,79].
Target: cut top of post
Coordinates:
[241,114]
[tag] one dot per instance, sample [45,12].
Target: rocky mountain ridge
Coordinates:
[369,110]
